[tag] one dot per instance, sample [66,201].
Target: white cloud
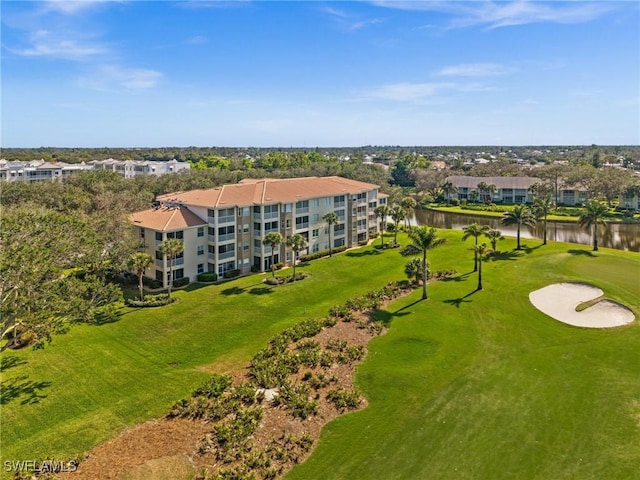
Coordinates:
[72,7]
[65,49]
[347,21]
[475,70]
[115,77]
[502,14]
[406,91]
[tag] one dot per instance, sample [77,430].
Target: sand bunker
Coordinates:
[560,300]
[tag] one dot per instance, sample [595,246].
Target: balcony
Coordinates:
[338,205]
[275,215]
[178,261]
[302,210]
[227,219]
[211,238]
[302,226]
[159,263]
[225,255]
[226,237]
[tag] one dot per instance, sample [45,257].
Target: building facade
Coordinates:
[510,190]
[40,170]
[223,228]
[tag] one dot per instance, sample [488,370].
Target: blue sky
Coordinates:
[306,74]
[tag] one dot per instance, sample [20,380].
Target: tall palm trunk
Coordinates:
[479,275]
[595,236]
[424,275]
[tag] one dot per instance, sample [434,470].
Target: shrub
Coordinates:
[344,399]
[278,266]
[455,202]
[151,282]
[214,387]
[231,273]
[207,277]
[181,282]
[274,280]
[151,301]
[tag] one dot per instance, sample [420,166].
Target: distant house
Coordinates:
[512,190]
[38,170]
[132,168]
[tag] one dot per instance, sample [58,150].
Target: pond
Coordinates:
[622,236]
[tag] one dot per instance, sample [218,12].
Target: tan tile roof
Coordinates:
[166,219]
[269,190]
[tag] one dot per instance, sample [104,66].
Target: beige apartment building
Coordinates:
[223,228]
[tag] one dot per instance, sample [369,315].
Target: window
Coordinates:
[226,233]
[257,227]
[225,248]
[315,218]
[340,214]
[179,235]
[226,215]
[142,233]
[200,268]
[245,228]
[286,208]
[338,201]
[302,222]
[211,213]
[315,248]
[159,255]
[338,242]
[338,229]
[270,226]
[158,236]
[201,231]
[178,273]
[315,233]
[159,275]
[211,267]
[200,251]
[287,223]
[315,203]
[243,211]
[256,209]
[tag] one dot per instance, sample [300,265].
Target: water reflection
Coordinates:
[614,235]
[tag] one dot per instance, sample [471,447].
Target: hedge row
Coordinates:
[324,253]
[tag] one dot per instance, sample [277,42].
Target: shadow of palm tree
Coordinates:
[232,291]
[261,290]
[385,316]
[500,256]
[586,253]
[22,388]
[10,361]
[530,249]
[457,278]
[456,302]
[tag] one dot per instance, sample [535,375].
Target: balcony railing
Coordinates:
[338,204]
[178,261]
[227,219]
[211,238]
[226,237]
[302,210]
[300,226]
[225,255]
[159,263]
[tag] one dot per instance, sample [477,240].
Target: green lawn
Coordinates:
[486,387]
[462,386]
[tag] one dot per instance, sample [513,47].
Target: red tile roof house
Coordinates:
[223,228]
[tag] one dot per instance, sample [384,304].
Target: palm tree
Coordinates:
[424,238]
[413,269]
[273,239]
[474,230]
[138,262]
[449,188]
[473,196]
[397,215]
[408,204]
[520,215]
[482,191]
[382,212]
[296,242]
[171,247]
[479,251]
[331,218]
[542,206]
[593,214]
[494,235]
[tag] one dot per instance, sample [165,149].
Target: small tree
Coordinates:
[541,207]
[408,204]
[331,218]
[448,189]
[479,251]
[296,242]
[138,262]
[594,213]
[273,239]
[474,230]
[382,212]
[171,247]
[423,238]
[413,270]
[520,215]
[494,235]
[397,215]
